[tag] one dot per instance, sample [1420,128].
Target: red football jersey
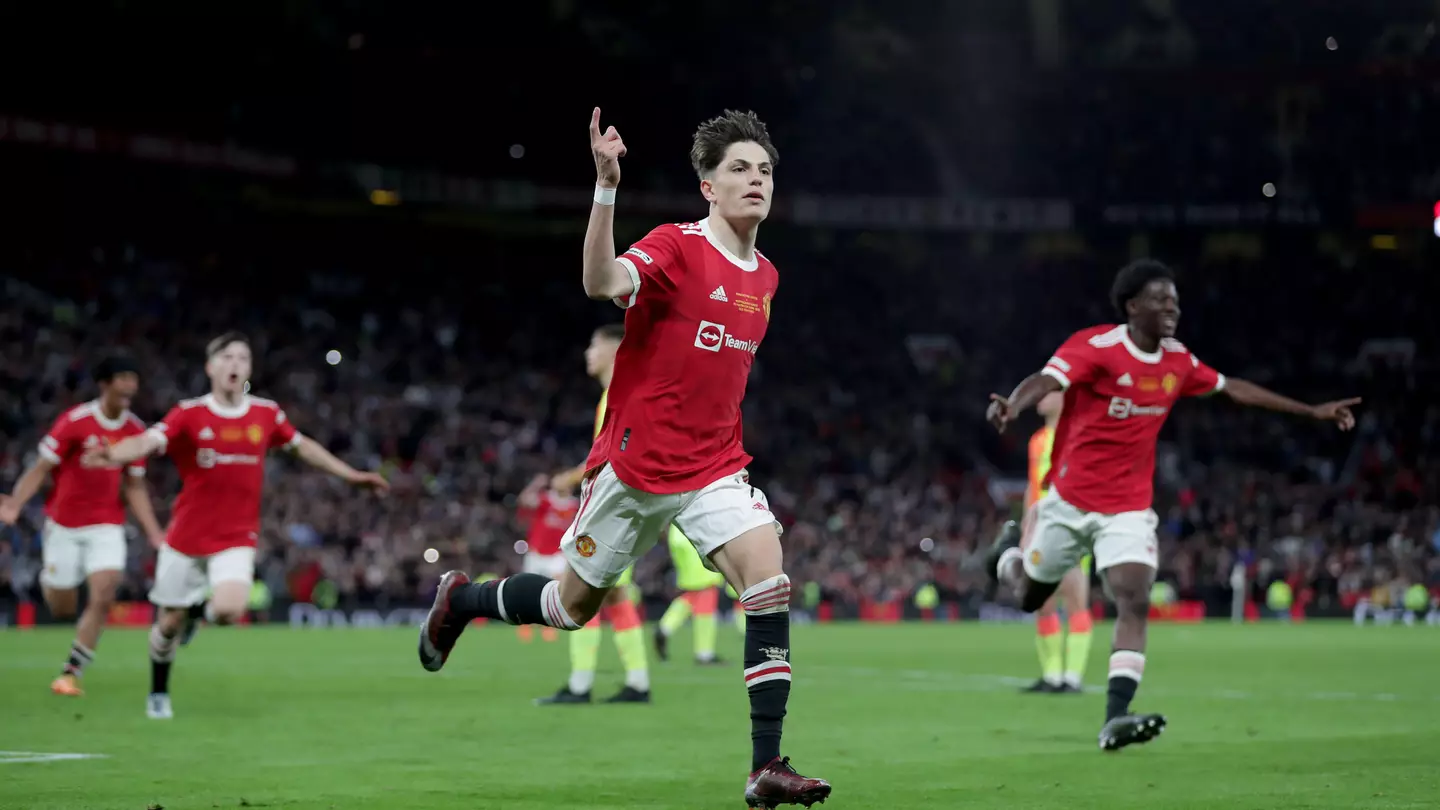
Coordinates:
[1116,400]
[692,327]
[548,522]
[80,496]
[221,455]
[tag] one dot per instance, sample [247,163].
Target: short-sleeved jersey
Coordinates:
[220,452]
[1117,397]
[81,496]
[548,522]
[693,324]
[1041,443]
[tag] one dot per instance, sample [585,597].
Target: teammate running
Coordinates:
[1062,660]
[697,299]
[621,610]
[219,443]
[1120,383]
[699,597]
[84,535]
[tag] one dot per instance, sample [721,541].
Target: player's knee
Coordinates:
[771,595]
[1132,600]
[62,602]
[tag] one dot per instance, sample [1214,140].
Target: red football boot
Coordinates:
[438,634]
[778,783]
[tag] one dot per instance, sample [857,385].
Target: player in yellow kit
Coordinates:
[1062,659]
[700,598]
[619,608]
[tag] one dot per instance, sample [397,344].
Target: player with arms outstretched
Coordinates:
[628,631]
[218,442]
[1062,660]
[84,535]
[1120,384]
[697,299]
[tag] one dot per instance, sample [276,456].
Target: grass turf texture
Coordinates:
[903,716]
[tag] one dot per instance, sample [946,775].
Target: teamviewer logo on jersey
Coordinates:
[710,336]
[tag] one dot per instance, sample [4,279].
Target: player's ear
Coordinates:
[707,189]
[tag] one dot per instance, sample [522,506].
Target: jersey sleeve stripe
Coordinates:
[1219,383]
[1057,375]
[48,454]
[158,431]
[136,472]
[1059,363]
[634,283]
[295,441]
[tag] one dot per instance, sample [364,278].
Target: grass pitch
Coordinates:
[1268,717]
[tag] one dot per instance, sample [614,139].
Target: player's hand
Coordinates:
[999,413]
[607,149]
[1337,412]
[9,510]
[156,540]
[372,481]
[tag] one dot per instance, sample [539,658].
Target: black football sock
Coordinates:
[1126,669]
[521,599]
[80,657]
[162,655]
[767,664]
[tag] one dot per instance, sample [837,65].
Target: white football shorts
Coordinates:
[1061,534]
[181,580]
[70,556]
[617,524]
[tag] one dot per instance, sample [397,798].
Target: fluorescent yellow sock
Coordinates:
[584,654]
[631,646]
[707,630]
[1050,645]
[675,616]
[1077,652]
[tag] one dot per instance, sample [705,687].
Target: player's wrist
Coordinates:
[604,194]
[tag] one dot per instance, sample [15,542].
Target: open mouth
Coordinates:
[234,378]
[755,195]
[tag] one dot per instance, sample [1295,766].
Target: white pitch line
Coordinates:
[21,757]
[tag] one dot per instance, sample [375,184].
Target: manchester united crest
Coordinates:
[255,434]
[1169,383]
[585,546]
[765,303]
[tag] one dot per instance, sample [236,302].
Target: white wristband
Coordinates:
[604,196]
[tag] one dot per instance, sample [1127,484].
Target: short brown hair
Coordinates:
[613,331]
[218,345]
[730,127]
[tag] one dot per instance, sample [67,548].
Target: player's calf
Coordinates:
[519,599]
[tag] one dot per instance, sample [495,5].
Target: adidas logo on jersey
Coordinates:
[719,295]
[206,434]
[1125,380]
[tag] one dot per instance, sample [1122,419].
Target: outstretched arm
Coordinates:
[25,489]
[605,278]
[1248,393]
[1026,395]
[125,451]
[311,452]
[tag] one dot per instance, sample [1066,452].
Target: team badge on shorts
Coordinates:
[585,546]
[1035,557]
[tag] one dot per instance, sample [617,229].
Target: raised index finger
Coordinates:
[595,125]
[1346,403]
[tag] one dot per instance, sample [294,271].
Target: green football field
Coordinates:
[902,716]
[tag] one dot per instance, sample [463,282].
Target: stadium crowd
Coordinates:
[864,412]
